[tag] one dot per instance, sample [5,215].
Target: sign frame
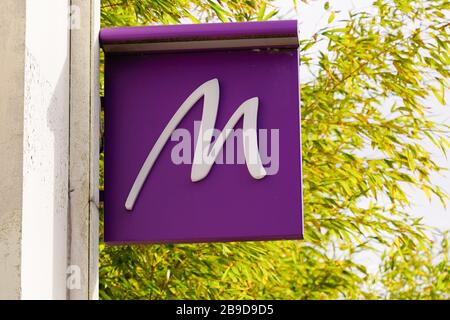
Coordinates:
[254,48]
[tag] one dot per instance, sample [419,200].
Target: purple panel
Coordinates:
[209,31]
[142,93]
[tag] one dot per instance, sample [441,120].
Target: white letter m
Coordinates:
[204,154]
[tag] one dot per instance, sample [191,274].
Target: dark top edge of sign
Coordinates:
[282,33]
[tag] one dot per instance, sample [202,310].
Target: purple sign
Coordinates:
[202,133]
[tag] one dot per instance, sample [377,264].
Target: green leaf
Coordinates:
[357,161]
[332,16]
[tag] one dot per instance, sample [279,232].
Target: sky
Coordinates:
[311,17]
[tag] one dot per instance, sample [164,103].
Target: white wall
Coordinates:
[46,153]
[49,105]
[12,46]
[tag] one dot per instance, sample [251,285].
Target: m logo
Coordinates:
[206,151]
[202,133]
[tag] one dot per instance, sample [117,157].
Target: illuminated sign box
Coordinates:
[202,133]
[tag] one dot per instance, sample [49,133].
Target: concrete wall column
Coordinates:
[48,103]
